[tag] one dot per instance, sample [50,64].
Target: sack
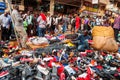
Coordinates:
[103,31]
[110,45]
[98,42]
[104,43]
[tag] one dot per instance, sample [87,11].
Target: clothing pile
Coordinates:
[38,41]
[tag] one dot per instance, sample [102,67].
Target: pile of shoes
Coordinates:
[59,61]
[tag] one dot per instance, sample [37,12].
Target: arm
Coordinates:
[0,20]
[16,16]
[38,19]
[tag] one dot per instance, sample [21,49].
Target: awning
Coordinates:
[76,3]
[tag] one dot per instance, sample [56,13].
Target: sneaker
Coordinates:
[4,73]
[26,59]
[42,70]
[3,64]
[27,53]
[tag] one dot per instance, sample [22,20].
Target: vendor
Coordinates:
[83,41]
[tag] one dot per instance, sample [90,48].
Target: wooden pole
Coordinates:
[9,7]
[52,4]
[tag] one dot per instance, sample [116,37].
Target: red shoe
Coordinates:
[83,54]
[90,41]
[4,73]
[62,76]
[88,51]
[118,69]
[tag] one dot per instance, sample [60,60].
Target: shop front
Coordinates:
[63,6]
[93,9]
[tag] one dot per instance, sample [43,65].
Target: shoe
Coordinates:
[4,73]
[26,59]
[3,64]
[27,53]
[42,70]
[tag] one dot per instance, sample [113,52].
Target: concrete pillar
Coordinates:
[52,2]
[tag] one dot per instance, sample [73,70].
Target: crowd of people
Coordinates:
[28,24]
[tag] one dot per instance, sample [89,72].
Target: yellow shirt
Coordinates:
[112,20]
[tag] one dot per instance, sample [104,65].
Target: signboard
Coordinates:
[21,7]
[2,7]
[94,1]
[91,9]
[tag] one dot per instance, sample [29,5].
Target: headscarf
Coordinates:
[43,16]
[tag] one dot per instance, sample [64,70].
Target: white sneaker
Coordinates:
[3,64]
[42,70]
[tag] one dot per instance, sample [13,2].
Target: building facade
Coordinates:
[64,6]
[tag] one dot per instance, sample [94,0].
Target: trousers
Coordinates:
[22,35]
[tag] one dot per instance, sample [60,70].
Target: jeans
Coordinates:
[64,28]
[116,32]
[41,32]
[83,47]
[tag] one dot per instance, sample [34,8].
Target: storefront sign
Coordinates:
[94,1]
[91,9]
[21,7]
[2,7]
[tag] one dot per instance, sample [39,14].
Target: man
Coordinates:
[116,26]
[18,25]
[49,20]
[29,20]
[83,41]
[65,23]
[42,22]
[98,21]
[77,23]
[5,25]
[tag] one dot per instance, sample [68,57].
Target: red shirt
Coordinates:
[77,23]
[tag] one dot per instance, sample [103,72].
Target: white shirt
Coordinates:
[98,21]
[5,21]
[41,22]
[49,20]
[29,19]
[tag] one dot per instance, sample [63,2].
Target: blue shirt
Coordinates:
[83,39]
